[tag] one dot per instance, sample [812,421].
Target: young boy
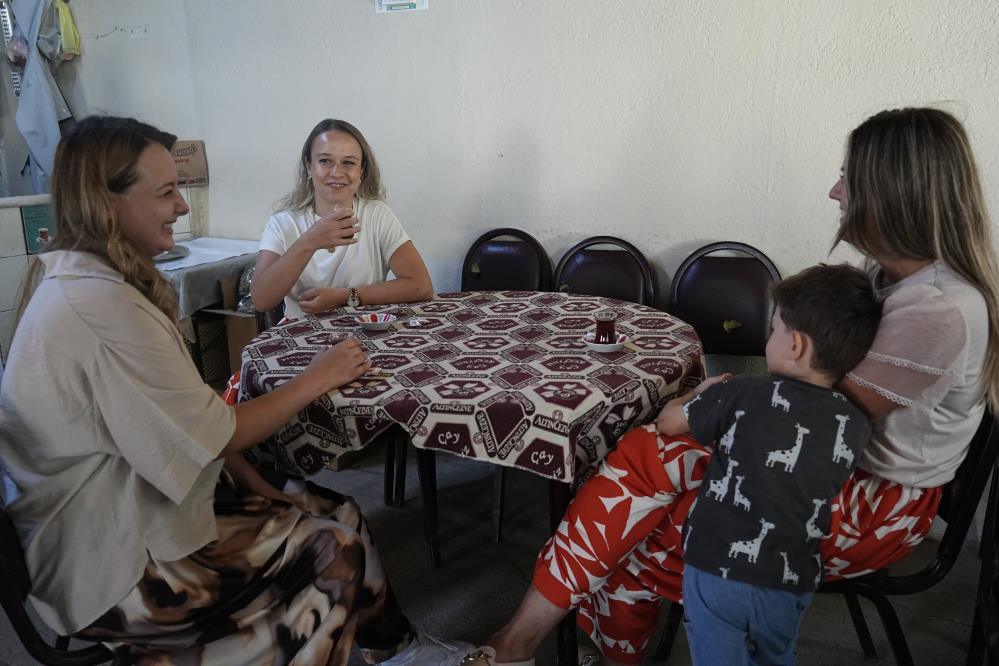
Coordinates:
[785,445]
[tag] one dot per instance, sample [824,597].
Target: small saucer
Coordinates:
[176,252]
[604,348]
[375,321]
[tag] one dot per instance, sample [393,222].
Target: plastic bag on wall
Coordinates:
[17,50]
[58,39]
[49,40]
[67,28]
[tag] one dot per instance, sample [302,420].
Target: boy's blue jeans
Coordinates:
[720,616]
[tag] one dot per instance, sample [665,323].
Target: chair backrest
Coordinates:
[494,262]
[623,273]
[963,493]
[726,299]
[270,317]
[14,587]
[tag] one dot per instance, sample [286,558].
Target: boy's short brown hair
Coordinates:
[836,307]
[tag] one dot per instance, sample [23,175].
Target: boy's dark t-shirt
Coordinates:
[784,448]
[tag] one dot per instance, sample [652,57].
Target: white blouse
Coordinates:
[927,357]
[363,263]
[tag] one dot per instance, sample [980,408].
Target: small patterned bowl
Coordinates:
[375,321]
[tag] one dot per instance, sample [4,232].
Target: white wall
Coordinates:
[670,124]
[135,62]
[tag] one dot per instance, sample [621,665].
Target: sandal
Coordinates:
[486,656]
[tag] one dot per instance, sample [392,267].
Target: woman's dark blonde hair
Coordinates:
[304,195]
[96,159]
[913,192]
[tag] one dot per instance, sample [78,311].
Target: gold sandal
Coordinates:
[486,656]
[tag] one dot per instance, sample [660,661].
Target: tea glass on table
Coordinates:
[606,334]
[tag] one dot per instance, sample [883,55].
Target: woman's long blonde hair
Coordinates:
[913,192]
[304,195]
[94,160]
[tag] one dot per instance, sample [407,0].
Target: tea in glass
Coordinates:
[605,335]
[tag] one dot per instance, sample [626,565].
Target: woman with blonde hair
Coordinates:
[335,239]
[911,201]
[112,450]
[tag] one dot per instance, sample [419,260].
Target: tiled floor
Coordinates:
[481,583]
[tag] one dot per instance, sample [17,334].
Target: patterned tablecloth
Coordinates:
[502,377]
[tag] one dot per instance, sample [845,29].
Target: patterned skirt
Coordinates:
[283,584]
[618,553]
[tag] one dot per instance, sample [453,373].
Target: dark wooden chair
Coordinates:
[504,260]
[14,587]
[269,318]
[957,508]
[622,273]
[726,299]
[983,647]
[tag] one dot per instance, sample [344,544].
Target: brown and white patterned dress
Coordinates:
[283,584]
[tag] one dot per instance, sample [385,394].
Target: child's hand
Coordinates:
[665,421]
[711,381]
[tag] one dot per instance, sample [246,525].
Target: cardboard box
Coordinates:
[240,327]
[192,163]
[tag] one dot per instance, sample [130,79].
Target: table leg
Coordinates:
[426,465]
[499,489]
[396,447]
[559,495]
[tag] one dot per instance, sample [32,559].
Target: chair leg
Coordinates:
[396,448]
[499,487]
[889,618]
[566,647]
[990,517]
[673,620]
[426,465]
[976,643]
[860,625]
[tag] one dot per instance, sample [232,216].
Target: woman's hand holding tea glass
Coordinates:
[336,228]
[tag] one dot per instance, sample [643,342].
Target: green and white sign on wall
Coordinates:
[382,6]
[39,227]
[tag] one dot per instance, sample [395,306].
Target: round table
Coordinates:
[501,377]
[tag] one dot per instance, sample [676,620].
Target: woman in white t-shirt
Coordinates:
[335,239]
[911,201]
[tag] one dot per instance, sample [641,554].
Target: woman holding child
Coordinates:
[112,450]
[911,201]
